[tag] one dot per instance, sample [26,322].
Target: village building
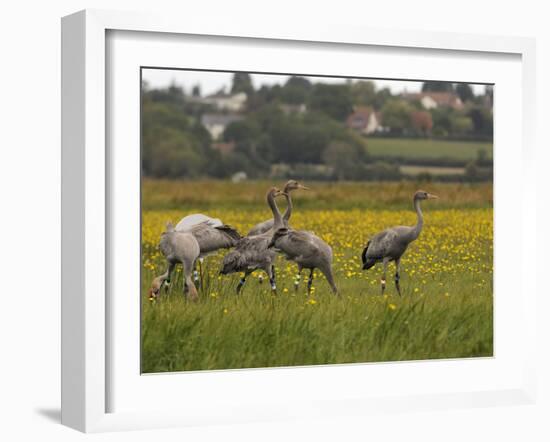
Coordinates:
[433,100]
[364,120]
[225,102]
[289,109]
[215,124]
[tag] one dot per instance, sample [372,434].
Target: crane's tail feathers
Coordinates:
[367,262]
[364,254]
[230,231]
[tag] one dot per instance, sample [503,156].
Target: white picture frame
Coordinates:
[86,210]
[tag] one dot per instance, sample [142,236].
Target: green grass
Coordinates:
[426,148]
[258,329]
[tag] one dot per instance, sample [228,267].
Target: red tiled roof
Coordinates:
[359,118]
[224,148]
[441,98]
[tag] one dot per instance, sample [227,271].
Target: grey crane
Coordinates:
[391,244]
[264,226]
[211,234]
[197,218]
[307,250]
[212,238]
[177,247]
[251,252]
[268,224]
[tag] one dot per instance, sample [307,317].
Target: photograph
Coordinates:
[293,220]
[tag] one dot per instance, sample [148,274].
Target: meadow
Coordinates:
[446,310]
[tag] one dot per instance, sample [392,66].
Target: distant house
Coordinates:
[289,109]
[432,100]
[364,120]
[224,148]
[239,177]
[216,123]
[225,102]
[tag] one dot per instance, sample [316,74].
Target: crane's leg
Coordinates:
[201,274]
[168,273]
[397,275]
[383,280]
[330,279]
[197,276]
[310,281]
[242,281]
[191,289]
[271,274]
[298,278]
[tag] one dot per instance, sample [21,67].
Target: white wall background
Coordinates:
[30,201]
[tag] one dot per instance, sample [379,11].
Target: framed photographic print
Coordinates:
[251,214]
[214,142]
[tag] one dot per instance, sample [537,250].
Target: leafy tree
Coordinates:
[242,83]
[421,122]
[196,91]
[397,115]
[482,120]
[345,159]
[441,117]
[268,116]
[172,95]
[333,100]
[363,93]
[461,124]
[437,86]
[465,92]
[173,145]
[296,90]
[296,142]
[263,97]
[175,155]
[381,97]
[489,94]
[240,131]
[234,162]
[256,165]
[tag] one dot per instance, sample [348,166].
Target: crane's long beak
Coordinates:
[431,196]
[300,186]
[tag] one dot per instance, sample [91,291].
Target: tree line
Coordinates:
[316,143]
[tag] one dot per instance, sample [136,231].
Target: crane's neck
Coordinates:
[419,220]
[277,219]
[288,211]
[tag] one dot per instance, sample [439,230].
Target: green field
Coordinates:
[432,170]
[426,148]
[212,195]
[446,310]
